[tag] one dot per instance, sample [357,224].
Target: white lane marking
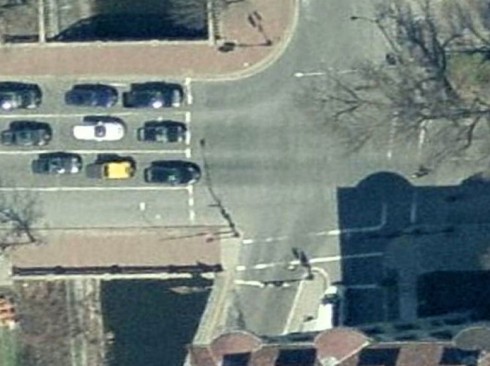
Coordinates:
[250,283]
[142,206]
[293,307]
[190,202]
[373,286]
[384,218]
[391,138]
[319,233]
[300,74]
[88,189]
[95,151]
[188,153]
[335,258]
[265,240]
[190,99]
[187,117]
[413,208]
[422,135]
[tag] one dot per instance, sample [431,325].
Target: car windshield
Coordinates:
[149,97]
[170,175]
[25,135]
[57,165]
[160,133]
[84,95]
[8,100]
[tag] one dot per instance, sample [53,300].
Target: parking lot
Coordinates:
[69,195]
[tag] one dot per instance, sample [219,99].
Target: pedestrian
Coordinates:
[421,172]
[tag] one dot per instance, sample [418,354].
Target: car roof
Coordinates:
[15,86]
[118,170]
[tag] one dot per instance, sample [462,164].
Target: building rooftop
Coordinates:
[338,346]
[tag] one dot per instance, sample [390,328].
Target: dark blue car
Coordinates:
[91,95]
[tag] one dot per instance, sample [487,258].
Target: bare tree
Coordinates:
[19,211]
[420,85]
[191,14]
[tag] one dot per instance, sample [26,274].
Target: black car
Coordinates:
[57,163]
[14,95]
[154,95]
[173,172]
[27,133]
[91,95]
[162,131]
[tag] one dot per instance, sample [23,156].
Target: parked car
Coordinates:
[99,129]
[112,168]
[162,131]
[57,163]
[14,95]
[154,95]
[329,313]
[91,95]
[172,172]
[27,133]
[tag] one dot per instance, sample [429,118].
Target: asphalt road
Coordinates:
[275,168]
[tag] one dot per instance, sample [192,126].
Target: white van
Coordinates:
[329,311]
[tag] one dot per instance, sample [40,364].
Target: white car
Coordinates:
[99,130]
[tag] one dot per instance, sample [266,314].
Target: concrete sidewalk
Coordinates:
[261,29]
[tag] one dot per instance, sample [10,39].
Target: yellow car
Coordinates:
[122,169]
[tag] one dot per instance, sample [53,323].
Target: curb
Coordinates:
[265,62]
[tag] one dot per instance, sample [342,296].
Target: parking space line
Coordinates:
[66,115]
[188,152]
[188,90]
[31,114]
[190,202]
[87,189]
[95,151]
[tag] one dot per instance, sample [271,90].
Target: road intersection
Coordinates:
[276,171]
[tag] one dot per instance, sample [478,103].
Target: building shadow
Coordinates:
[407,248]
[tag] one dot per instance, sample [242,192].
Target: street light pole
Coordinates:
[382,29]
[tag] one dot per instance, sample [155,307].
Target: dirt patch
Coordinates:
[19,23]
[60,323]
